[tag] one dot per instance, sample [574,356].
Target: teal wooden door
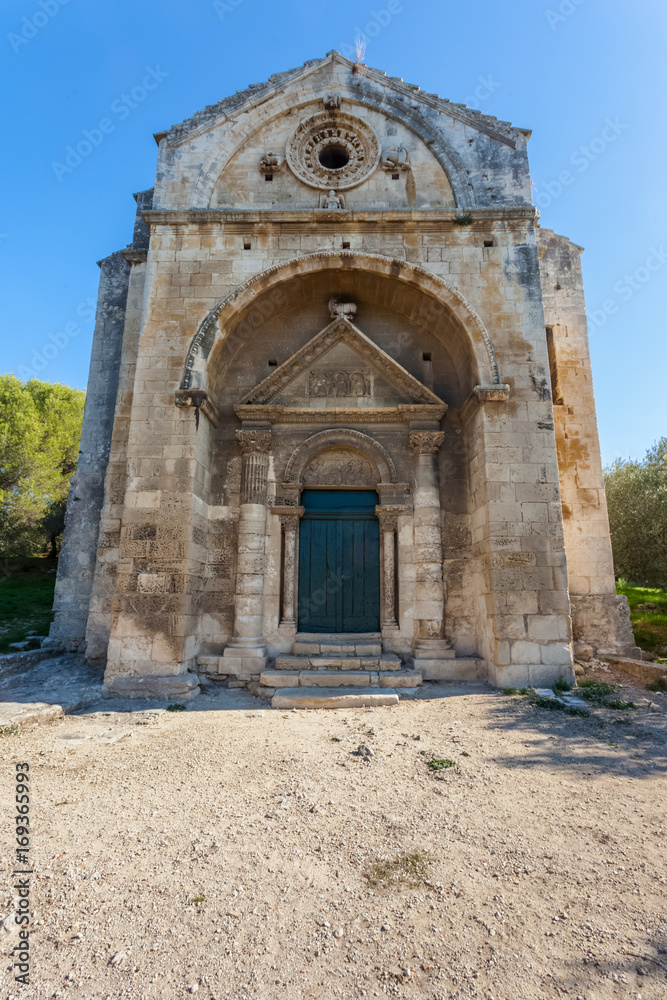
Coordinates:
[339,562]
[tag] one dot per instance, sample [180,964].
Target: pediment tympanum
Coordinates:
[341,373]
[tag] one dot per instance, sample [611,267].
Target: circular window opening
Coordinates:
[334,157]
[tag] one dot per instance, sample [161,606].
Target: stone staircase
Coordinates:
[347,670]
[337,671]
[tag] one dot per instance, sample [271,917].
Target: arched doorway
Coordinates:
[339,561]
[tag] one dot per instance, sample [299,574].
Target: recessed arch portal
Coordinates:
[239,313]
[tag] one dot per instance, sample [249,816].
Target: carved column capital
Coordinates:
[426,442]
[387,515]
[289,516]
[254,442]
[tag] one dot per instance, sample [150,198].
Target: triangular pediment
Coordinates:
[243,101]
[341,368]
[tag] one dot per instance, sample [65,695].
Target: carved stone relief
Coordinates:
[323,382]
[333,150]
[396,159]
[270,163]
[332,201]
[340,467]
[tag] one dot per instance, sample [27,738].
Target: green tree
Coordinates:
[40,428]
[637,502]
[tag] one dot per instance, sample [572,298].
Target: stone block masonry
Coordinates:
[338,289]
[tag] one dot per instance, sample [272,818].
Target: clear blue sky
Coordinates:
[564,68]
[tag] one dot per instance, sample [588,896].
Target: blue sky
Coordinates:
[588,76]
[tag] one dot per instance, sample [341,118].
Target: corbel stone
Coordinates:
[199,399]
[497,393]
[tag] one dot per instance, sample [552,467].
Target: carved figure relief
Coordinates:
[270,163]
[339,383]
[338,308]
[396,158]
[332,102]
[332,200]
[340,467]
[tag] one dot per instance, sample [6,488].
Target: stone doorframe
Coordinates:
[392,495]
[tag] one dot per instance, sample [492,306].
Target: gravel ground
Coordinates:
[236,852]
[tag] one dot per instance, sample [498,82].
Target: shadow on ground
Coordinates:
[630,743]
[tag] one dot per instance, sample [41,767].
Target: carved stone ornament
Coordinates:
[338,308]
[332,101]
[339,383]
[396,159]
[254,442]
[340,467]
[270,163]
[333,150]
[332,201]
[426,442]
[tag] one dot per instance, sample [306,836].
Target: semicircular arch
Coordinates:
[235,311]
[388,105]
[340,437]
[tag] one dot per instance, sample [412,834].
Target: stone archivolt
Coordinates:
[223,317]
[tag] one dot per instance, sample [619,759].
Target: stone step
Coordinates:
[341,644]
[340,678]
[463,668]
[387,661]
[305,697]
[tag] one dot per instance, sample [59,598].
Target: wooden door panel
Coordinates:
[339,571]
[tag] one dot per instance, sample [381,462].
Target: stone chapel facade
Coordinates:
[340,426]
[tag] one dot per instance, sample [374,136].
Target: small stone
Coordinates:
[583,651]
[194,987]
[119,957]
[339,932]
[364,751]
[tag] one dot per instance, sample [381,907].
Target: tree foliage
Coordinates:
[637,503]
[40,428]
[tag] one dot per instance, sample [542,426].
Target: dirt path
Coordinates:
[535,865]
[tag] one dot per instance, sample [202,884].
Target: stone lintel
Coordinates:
[404,413]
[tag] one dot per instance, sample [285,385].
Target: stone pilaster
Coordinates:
[76,566]
[289,520]
[388,518]
[246,653]
[429,636]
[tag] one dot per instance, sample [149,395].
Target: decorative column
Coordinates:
[388,518]
[246,653]
[289,520]
[429,639]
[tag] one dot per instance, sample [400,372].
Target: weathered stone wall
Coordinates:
[599,616]
[442,263]
[76,566]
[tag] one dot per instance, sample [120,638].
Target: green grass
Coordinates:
[554,705]
[25,603]
[649,623]
[175,708]
[405,870]
[561,685]
[659,685]
[598,693]
[440,763]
